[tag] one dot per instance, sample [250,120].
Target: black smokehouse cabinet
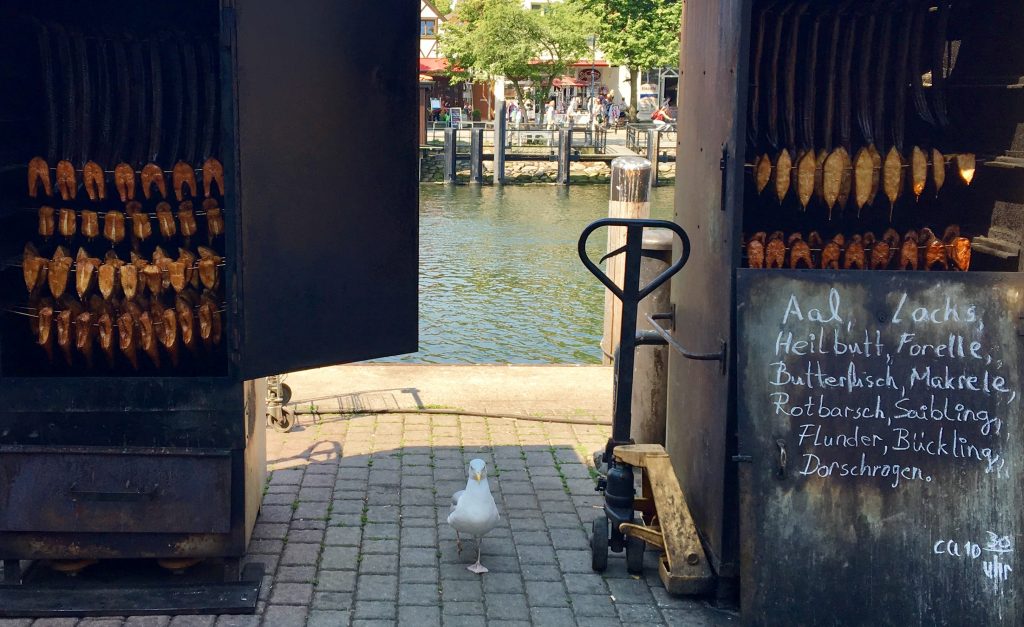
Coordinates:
[193,196]
[861,461]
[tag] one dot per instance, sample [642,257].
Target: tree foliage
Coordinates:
[486,39]
[639,34]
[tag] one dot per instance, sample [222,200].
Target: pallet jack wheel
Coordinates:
[635,555]
[599,544]
[283,424]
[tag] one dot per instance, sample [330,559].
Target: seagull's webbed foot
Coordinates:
[477,567]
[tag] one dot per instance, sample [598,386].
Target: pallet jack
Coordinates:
[664,520]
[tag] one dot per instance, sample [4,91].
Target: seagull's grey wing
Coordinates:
[456,497]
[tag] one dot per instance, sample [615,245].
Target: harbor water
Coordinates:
[500,280]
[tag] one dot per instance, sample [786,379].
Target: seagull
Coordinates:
[473,511]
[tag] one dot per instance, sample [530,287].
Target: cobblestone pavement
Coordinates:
[353,532]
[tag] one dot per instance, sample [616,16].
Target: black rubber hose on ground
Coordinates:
[448,412]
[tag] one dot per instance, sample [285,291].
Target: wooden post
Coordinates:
[500,131]
[450,150]
[653,150]
[476,155]
[650,391]
[629,198]
[564,156]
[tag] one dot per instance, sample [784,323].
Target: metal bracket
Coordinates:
[721,356]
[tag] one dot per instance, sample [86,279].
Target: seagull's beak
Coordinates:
[478,476]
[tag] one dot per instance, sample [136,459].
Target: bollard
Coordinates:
[653,149]
[476,155]
[450,150]
[500,132]
[564,155]
[629,198]
[650,382]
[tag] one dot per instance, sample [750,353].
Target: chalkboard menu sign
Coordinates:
[881,414]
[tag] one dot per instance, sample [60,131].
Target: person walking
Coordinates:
[549,114]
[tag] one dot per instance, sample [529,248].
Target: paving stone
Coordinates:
[507,606]
[339,558]
[191,621]
[419,537]
[464,620]
[462,608]
[267,547]
[586,583]
[388,514]
[551,617]
[56,622]
[291,593]
[283,616]
[378,564]
[336,580]
[295,574]
[303,524]
[373,531]
[270,531]
[300,554]
[374,609]
[574,561]
[318,480]
[408,522]
[316,494]
[343,536]
[286,477]
[639,614]
[386,547]
[592,605]
[417,574]
[345,520]
[332,600]
[229,620]
[630,591]
[101,622]
[532,538]
[418,496]
[419,615]
[311,510]
[313,536]
[567,538]
[279,498]
[690,618]
[163,621]
[418,593]
[376,587]
[328,618]
[348,506]
[534,523]
[536,554]
[419,557]
[562,520]
[469,590]
[275,513]
[502,583]
[544,594]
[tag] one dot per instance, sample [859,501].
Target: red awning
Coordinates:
[597,63]
[428,64]
[567,81]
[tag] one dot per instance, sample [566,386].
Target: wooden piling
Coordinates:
[653,150]
[500,131]
[450,152]
[476,155]
[629,198]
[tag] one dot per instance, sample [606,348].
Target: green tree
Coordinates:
[485,39]
[638,34]
[444,7]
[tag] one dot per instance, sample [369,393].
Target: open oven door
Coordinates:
[326,123]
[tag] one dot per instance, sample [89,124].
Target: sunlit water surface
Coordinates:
[500,280]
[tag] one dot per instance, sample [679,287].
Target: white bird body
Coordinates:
[474,511]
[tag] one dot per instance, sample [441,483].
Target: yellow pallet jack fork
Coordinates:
[666,521]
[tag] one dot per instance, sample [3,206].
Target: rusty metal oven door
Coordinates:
[326,164]
[881,414]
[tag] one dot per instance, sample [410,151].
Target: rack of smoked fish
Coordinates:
[106,290]
[847,103]
[915,250]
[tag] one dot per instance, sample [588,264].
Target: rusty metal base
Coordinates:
[131,587]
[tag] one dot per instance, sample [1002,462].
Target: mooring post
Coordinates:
[650,375]
[564,155]
[500,132]
[653,152]
[629,198]
[476,155]
[450,151]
